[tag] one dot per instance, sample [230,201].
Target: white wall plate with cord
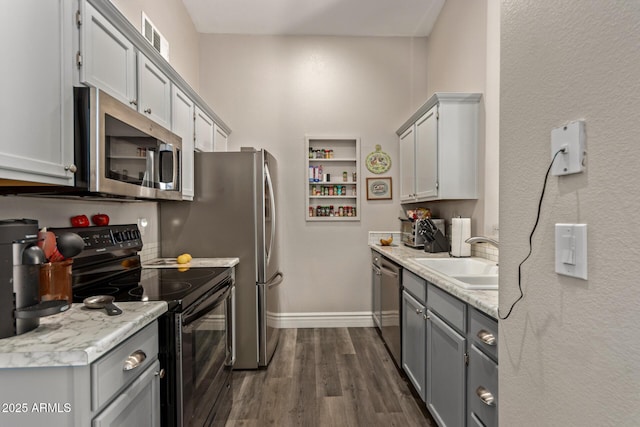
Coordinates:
[571,137]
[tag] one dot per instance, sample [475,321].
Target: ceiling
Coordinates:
[409,18]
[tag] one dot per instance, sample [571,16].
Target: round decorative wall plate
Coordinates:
[378,161]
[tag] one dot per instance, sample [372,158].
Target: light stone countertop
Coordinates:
[484,300]
[77,336]
[194,263]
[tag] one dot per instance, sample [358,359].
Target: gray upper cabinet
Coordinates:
[182,124]
[154,92]
[407,149]
[37,94]
[107,59]
[444,161]
[204,131]
[427,155]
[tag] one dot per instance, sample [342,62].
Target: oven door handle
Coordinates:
[203,306]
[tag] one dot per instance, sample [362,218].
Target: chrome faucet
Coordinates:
[482,239]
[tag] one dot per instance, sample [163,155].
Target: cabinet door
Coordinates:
[204,131]
[154,92]
[137,406]
[482,391]
[182,123]
[427,155]
[446,376]
[108,57]
[219,138]
[413,341]
[37,95]
[407,165]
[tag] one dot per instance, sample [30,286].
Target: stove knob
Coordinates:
[118,237]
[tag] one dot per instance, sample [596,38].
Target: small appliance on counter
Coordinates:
[433,232]
[410,235]
[20,263]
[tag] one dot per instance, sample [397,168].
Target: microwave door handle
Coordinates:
[272,201]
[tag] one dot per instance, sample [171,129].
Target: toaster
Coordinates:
[410,235]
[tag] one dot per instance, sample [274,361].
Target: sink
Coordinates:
[468,273]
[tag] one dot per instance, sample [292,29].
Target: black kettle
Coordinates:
[20,261]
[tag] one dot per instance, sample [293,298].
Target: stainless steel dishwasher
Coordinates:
[390,291]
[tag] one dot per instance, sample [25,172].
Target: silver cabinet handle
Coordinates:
[134,360]
[71,168]
[419,311]
[486,396]
[133,102]
[486,337]
[147,110]
[161,373]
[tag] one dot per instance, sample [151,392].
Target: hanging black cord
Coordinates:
[544,187]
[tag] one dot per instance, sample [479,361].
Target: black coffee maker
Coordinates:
[20,261]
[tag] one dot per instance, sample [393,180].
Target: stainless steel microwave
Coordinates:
[120,152]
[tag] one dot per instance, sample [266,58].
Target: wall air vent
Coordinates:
[153,36]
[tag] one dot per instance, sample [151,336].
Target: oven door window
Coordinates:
[204,352]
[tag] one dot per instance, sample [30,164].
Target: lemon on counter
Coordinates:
[184,258]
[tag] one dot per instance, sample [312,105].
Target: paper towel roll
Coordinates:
[460,231]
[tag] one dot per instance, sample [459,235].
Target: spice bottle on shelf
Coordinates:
[310,210]
[344,176]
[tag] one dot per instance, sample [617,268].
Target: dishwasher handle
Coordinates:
[388,272]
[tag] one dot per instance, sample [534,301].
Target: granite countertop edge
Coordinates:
[78,336]
[485,301]
[194,263]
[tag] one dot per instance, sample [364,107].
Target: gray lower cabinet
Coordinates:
[414,335]
[138,405]
[482,384]
[122,389]
[446,372]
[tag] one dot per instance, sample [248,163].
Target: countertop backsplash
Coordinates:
[480,250]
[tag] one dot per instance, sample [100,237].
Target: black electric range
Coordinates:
[196,339]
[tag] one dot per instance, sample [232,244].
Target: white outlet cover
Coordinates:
[571,250]
[572,137]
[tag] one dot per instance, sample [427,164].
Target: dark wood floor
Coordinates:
[326,377]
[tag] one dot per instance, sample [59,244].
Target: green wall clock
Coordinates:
[378,161]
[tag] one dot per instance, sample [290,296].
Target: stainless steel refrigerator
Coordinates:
[234,214]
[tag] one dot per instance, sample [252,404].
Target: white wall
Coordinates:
[463,56]
[569,353]
[274,90]
[174,23]
[53,212]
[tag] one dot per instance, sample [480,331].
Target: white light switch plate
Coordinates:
[572,137]
[571,250]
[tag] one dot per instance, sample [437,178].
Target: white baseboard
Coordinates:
[360,319]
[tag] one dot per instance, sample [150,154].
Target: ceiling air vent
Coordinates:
[153,36]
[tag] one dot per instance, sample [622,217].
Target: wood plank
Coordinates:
[327,378]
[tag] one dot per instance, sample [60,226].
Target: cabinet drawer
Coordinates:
[451,309]
[483,332]
[108,375]
[482,398]
[415,285]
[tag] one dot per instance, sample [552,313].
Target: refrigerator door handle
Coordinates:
[272,201]
[275,280]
